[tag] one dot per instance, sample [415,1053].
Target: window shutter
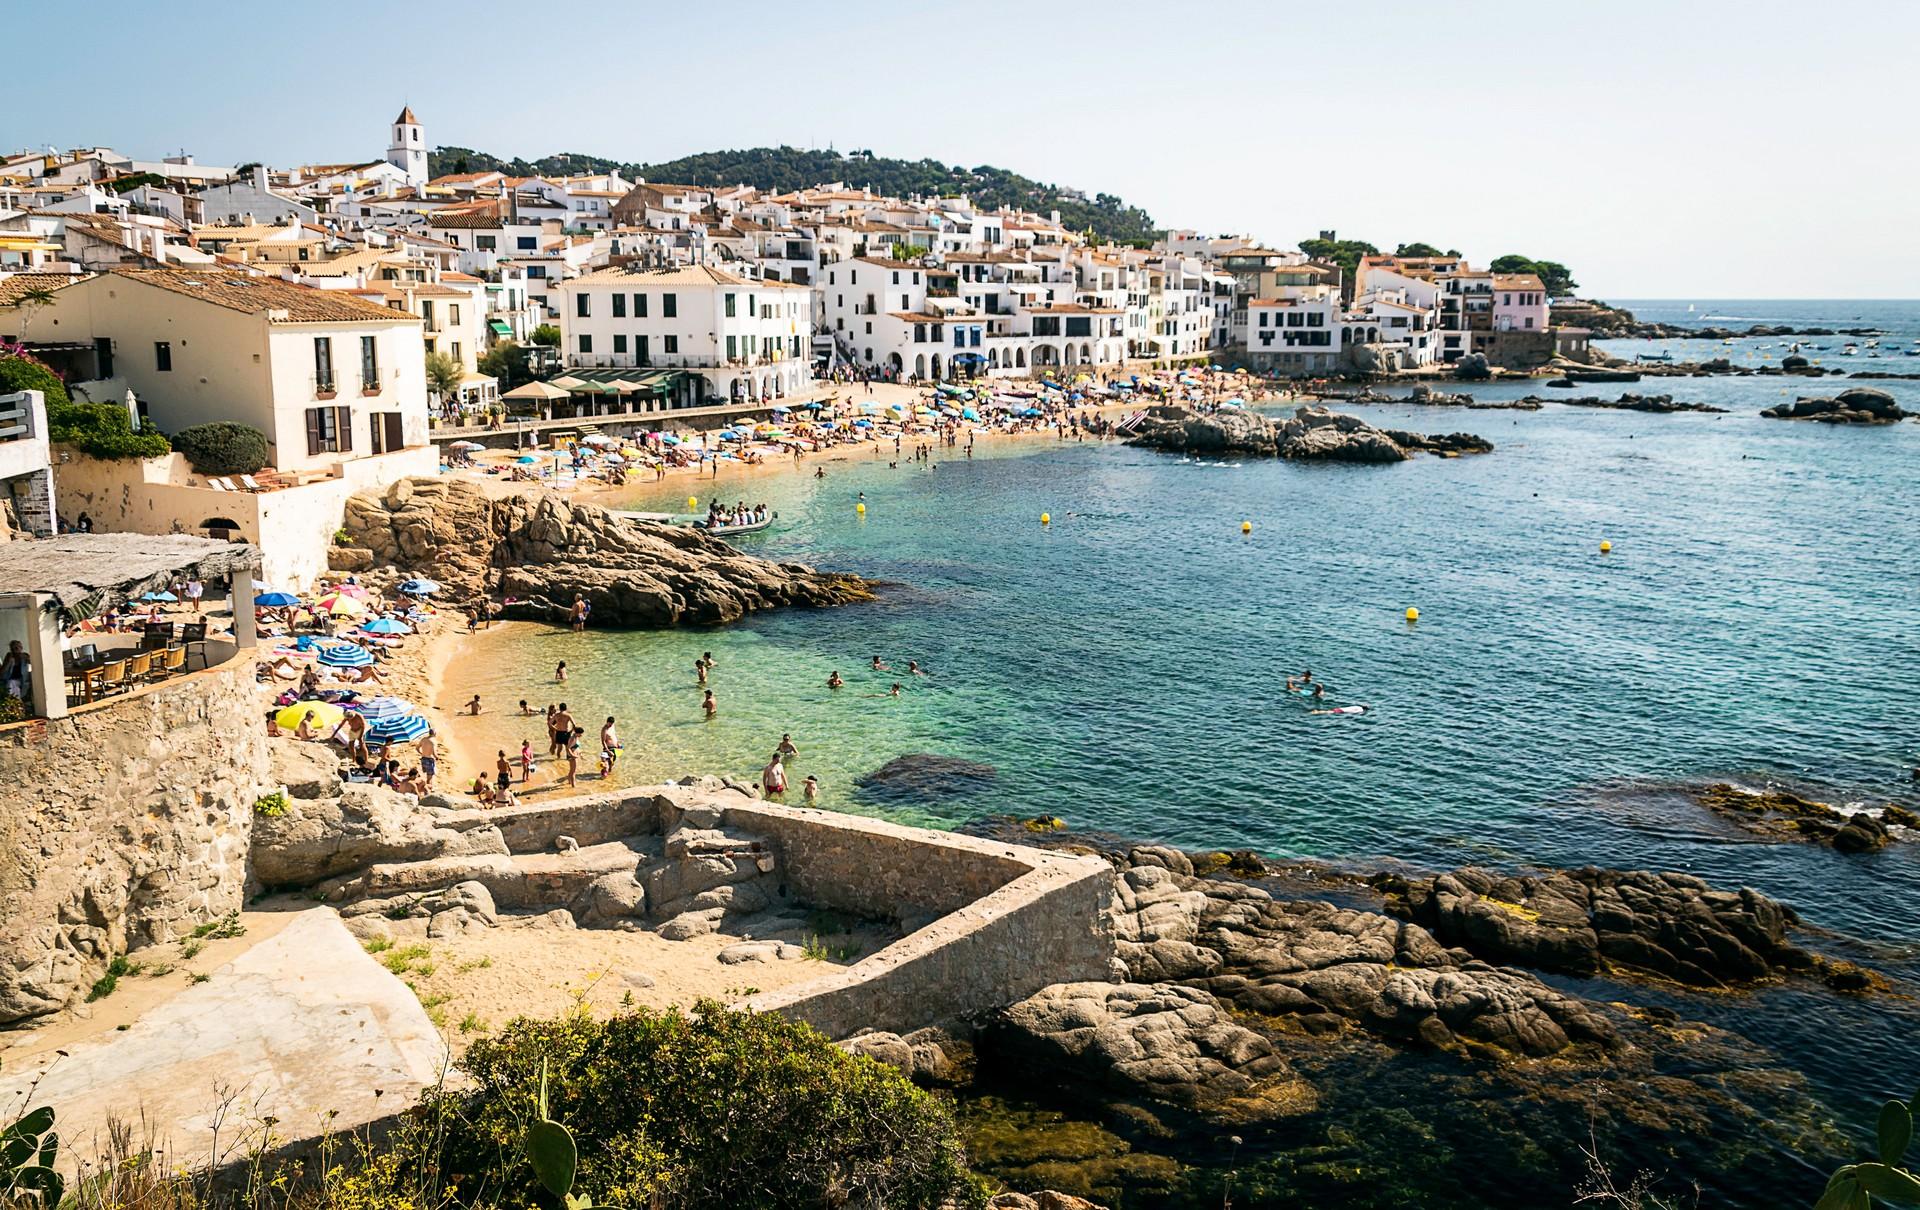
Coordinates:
[313,431]
[343,418]
[396,437]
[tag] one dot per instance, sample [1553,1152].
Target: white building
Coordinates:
[740,338]
[1297,335]
[408,150]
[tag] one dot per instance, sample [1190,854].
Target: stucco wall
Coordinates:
[121,825]
[292,526]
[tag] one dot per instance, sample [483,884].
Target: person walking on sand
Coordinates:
[773,779]
[573,758]
[609,746]
[502,772]
[709,705]
[526,761]
[429,750]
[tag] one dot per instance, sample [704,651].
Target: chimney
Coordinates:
[159,245]
[260,177]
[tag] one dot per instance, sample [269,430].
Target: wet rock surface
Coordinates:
[542,550]
[1855,405]
[1311,433]
[1785,815]
[1630,402]
[926,776]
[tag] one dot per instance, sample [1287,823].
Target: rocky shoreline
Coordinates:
[1856,405]
[540,550]
[1311,434]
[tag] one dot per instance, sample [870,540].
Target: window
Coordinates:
[959,338]
[1263,319]
[485,243]
[619,307]
[619,340]
[370,365]
[730,306]
[162,356]
[586,343]
[853,279]
[456,350]
[1079,325]
[640,348]
[919,334]
[582,306]
[896,277]
[731,350]
[536,271]
[323,363]
[526,243]
[669,305]
[670,343]
[906,302]
[386,429]
[639,306]
[329,431]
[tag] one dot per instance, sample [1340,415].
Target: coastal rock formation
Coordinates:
[1329,968]
[1589,921]
[1789,816]
[926,1056]
[1310,433]
[542,550]
[1855,405]
[1629,402]
[1163,1041]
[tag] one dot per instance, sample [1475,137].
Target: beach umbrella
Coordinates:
[387,626]
[340,603]
[969,414]
[781,407]
[669,439]
[353,590]
[526,460]
[325,714]
[863,424]
[419,588]
[466,445]
[616,459]
[346,655]
[374,709]
[401,729]
[599,439]
[729,435]
[275,599]
[158,596]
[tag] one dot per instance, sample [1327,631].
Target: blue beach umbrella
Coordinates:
[158,596]
[387,626]
[969,414]
[419,588]
[276,600]
[526,460]
[346,655]
[381,708]
[400,730]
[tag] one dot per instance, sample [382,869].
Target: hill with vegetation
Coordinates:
[785,168]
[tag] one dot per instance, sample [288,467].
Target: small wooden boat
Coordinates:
[727,531]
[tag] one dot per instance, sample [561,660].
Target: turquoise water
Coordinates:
[1122,668]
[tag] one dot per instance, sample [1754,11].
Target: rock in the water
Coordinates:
[1855,405]
[543,550]
[928,1056]
[926,776]
[1163,1041]
[1310,433]
[1590,920]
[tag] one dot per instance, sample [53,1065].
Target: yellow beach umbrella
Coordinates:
[326,715]
[340,604]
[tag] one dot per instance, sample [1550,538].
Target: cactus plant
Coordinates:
[551,1150]
[1855,1186]
[28,1148]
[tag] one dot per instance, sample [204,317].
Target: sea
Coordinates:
[1122,666]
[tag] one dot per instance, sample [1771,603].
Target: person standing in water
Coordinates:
[786,750]
[834,681]
[709,705]
[773,779]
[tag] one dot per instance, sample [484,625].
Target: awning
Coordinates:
[500,327]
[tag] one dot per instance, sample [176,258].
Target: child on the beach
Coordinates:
[526,761]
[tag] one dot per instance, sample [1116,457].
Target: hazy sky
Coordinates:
[1687,148]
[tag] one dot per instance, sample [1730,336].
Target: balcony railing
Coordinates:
[324,386]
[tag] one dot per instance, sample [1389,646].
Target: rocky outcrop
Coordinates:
[1166,1042]
[1855,405]
[1629,402]
[927,1056]
[330,828]
[541,550]
[1782,814]
[1591,921]
[1310,433]
[926,777]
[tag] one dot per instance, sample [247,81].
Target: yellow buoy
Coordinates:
[693,503]
[1605,546]
[1246,527]
[861,509]
[1413,615]
[1046,518]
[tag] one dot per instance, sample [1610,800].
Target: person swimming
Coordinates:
[834,681]
[880,665]
[1343,710]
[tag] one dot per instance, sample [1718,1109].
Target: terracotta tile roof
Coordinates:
[488,219]
[254,295]
[1517,281]
[16,285]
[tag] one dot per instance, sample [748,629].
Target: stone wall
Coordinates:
[124,824]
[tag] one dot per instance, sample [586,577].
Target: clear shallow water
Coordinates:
[1758,617]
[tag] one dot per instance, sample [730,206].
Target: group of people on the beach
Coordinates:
[564,736]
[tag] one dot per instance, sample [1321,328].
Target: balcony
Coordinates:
[324,386]
[370,386]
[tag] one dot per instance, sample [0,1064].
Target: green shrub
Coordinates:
[716,1109]
[102,430]
[223,448]
[20,372]
[547,334]
[273,805]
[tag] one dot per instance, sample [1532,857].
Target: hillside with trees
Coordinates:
[780,169]
[1556,277]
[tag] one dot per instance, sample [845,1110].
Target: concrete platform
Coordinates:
[302,1024]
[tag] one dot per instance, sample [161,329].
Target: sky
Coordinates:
[1682,149]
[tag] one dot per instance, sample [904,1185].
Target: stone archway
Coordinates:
[1020,358]
[895,364]
[934,365]
[1086,354]
[919,365]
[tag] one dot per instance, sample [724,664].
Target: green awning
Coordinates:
[500,327]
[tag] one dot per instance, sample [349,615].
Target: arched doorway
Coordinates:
[736,389]
[1086,354]
[894,364]
[222,529]
[936,365]
[993,359]
[1020,358]
[919,365]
